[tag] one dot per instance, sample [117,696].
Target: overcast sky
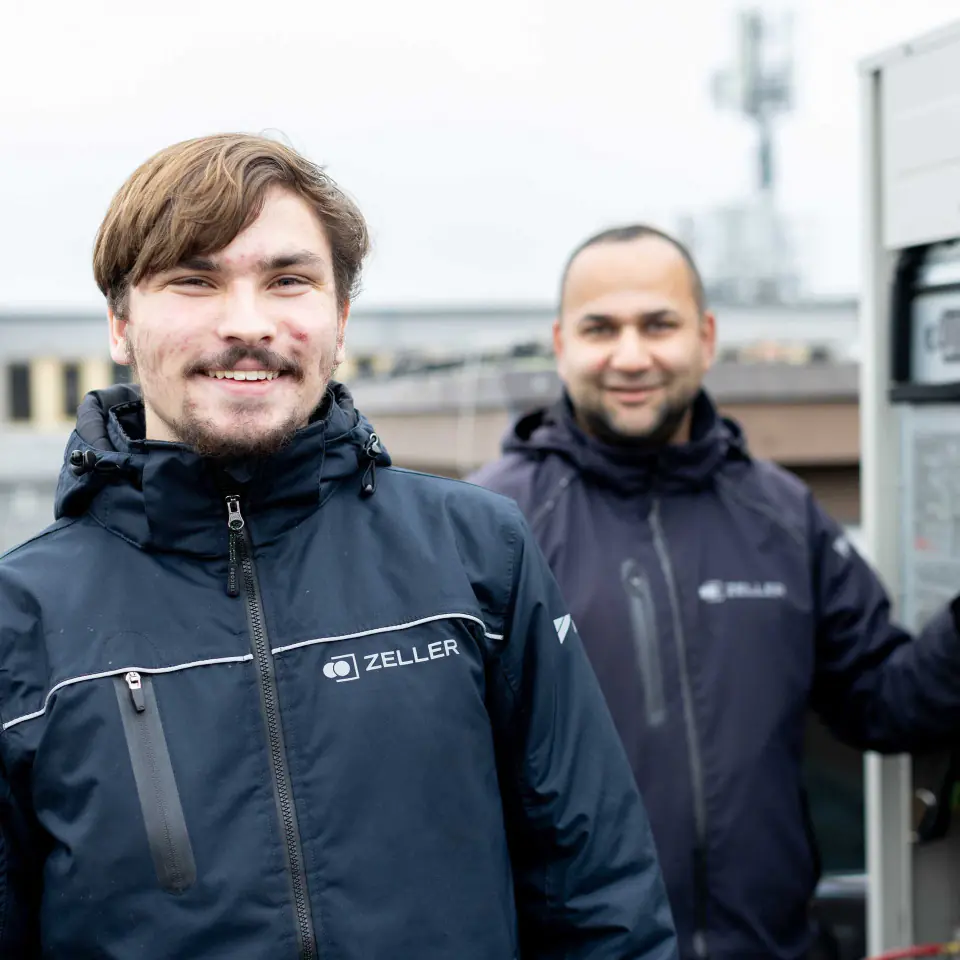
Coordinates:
[481,140]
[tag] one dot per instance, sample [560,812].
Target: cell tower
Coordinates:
[745,248]
[759,84]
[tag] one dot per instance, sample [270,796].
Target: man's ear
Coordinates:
[708,337]
[341,333]
[557,338]
[118,337]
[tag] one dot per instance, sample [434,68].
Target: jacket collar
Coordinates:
[164,496]
[713,441]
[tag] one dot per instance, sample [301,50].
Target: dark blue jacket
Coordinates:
[343,726]
[717,602]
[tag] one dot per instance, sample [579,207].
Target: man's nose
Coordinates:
[632,353]
[246,318]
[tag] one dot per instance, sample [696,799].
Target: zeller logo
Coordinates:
[717,591]
[344,667]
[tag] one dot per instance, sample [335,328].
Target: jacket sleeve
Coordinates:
[19,883]
[876,686]
[587,878]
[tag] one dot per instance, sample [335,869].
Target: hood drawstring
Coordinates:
[89,461]
[371,450]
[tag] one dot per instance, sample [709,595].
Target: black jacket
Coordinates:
[344,726]
[718,602]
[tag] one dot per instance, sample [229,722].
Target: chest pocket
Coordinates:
[646,639]
[157,790]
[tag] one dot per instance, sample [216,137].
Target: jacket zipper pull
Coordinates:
[372,450]
[136,691]
[236,523]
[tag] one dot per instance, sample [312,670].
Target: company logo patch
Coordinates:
[562,625]
[344,668]
[719,591]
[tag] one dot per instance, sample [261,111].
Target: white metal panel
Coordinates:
[928,41]
[910,108]
[888,783]
[920,139]
[930,572]
[888,780]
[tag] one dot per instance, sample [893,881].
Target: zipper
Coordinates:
[241,565]
[236,524]
[646,644]
[371,450]
[160,805]
[701,888]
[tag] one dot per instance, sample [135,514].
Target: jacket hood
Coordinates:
[165,496]
[554,431]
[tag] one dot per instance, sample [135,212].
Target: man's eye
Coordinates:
[289,281]
[191,282]
[659,326]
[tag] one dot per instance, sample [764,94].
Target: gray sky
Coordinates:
[482,141]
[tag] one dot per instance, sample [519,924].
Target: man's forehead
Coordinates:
[285,223]
[647,266]
[623,305]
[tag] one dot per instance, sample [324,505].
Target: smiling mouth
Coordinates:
[633,391]
[243,374]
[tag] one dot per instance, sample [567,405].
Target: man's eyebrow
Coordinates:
[200,264]
[644,316]
[300,258]
[664,314]
[282,261]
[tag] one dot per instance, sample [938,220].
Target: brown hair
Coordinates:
[194,197]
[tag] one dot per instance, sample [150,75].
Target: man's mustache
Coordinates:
[264,359]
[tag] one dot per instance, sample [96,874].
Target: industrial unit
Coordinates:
[910,452]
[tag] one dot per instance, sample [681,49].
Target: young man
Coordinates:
[716,599]
[262,695]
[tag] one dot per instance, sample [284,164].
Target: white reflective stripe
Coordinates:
[493,636]
[118,671]
[392,628]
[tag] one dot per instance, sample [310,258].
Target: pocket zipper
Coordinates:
[156,785]
[646,643]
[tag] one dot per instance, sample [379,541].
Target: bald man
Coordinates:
[716,599]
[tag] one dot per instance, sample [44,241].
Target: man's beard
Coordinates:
[201,433]
[670,416]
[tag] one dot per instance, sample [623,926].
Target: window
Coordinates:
[121,373]
[18,384]
[71,389]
